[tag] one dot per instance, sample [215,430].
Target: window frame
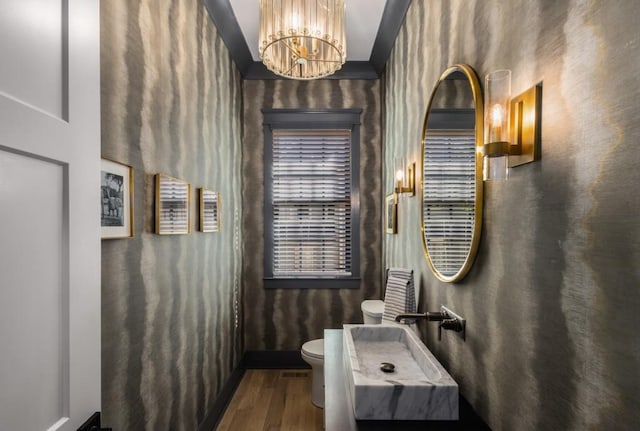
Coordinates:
[306,119]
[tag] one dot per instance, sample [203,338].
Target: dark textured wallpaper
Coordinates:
[283,319]
[171,103]
[553,300]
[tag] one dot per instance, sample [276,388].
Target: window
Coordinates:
[311,198]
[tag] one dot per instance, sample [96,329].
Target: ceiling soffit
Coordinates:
[223,17]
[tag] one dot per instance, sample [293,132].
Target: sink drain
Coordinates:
[387,367]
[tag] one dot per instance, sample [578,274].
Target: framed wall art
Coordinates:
[209,211]
[116,202]
[391,214]
[172,205]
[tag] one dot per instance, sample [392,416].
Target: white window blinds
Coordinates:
[311,203]
[449,197]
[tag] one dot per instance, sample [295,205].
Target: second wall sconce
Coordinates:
[511,126]
[405,177]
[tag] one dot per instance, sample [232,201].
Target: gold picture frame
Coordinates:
[173,200]
[391,214]
[116,202]
[209,210]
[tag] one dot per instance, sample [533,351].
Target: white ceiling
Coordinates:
[362,22]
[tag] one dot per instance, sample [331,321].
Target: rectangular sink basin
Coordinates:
[418,388]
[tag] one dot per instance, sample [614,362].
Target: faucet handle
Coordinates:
[451,323]
[454,324]
[436,316]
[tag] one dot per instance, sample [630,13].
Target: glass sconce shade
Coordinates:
[495,167]
[398,172]
[496,112]
[496,125]
[302,39]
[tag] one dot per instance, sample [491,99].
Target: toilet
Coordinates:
[313,354]
[313,351]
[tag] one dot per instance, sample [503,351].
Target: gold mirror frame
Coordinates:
[475,238]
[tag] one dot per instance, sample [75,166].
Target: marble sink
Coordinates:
[418,388]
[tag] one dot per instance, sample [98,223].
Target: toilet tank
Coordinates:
[372,311]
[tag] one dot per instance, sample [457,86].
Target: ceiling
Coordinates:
[372,26]
[362,21]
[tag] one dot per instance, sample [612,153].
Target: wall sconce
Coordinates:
[511,126]
[405,178]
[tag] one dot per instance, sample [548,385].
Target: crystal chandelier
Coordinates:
[302,39]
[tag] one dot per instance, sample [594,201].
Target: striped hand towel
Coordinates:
[400,294]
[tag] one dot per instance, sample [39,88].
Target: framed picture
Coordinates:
[391,214]
[116,202]
[209,211]
[172,205]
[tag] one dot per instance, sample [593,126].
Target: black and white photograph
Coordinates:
[172,205]
[209,211]
[116,190]
[391,210]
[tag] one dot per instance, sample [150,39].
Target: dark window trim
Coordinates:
[312,119]
[453,119]
[312,283]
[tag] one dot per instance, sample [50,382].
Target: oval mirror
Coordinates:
[452,174]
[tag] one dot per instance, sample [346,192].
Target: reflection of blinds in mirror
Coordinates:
[449,197]
[311,203]
[210,221]
[173,205]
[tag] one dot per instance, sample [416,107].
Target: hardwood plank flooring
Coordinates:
[273,400]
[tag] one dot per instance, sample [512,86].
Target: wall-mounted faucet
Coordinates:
[447,318]
[432,316]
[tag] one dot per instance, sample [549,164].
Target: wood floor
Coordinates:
[273,400]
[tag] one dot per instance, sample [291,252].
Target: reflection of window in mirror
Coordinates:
[449,174]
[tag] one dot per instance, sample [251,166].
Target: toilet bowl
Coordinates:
[313,354]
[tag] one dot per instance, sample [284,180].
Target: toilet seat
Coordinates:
[314,348]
